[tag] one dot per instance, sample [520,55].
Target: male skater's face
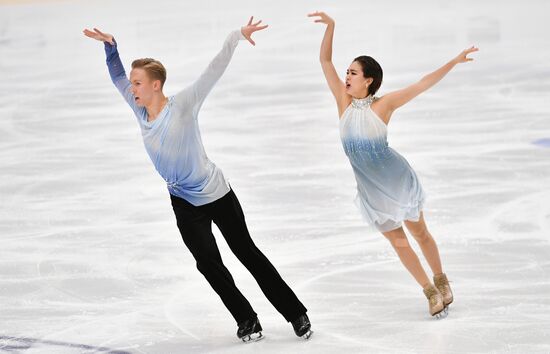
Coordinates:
[356,84]
[143,87]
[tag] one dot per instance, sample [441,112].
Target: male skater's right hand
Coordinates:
[98,35]
[251,28]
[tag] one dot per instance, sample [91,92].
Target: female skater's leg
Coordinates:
[406,254]
[426,242]
[410,260]
[429,248]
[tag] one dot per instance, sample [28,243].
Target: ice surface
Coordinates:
[91,260]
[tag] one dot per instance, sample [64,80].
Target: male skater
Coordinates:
[198,190]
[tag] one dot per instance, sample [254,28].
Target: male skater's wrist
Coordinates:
[241,35]
[108,45]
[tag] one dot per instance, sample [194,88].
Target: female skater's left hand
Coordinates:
[463,56]
[251,28]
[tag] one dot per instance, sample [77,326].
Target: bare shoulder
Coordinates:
[381,106]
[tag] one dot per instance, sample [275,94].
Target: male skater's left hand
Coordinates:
[251,28]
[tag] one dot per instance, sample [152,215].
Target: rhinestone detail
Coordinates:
[362,103]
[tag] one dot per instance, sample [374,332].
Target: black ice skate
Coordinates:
[250,330]
[302,327]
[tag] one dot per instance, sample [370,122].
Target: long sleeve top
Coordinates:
[173,139]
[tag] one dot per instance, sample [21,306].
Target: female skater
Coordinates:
[198,190]
[388,190]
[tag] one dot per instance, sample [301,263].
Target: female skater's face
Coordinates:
[356,83]
[143,87]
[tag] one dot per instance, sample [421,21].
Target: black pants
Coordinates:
[195,225]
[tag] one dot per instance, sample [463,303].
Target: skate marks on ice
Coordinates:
[498,304]
[523,217]
[15,345]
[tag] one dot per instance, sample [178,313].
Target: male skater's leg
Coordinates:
[196,230]
[229,217]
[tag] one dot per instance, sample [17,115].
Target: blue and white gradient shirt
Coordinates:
[173,140]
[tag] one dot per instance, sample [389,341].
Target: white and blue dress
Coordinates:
[388,190]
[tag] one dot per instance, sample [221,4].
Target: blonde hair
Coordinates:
[154,69]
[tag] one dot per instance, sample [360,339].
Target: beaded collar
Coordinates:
[361,103]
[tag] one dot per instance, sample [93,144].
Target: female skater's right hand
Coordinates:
[323,17]
[251,28]
[98,35]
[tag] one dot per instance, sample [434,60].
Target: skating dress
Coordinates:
[388,190]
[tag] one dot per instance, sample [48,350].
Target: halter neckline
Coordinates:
[362,102]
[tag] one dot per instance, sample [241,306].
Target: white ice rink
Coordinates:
[91,260]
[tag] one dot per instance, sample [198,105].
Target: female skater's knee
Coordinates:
[397,239]
[422,236]
[400,242]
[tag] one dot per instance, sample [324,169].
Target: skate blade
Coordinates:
[308,335]
[254,337]
[442,314]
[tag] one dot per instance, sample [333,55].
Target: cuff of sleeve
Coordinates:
[107,44]
[110,48]
[241,36]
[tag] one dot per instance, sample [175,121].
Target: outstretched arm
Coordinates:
[336,85]
[116,69]
[206,81]
[396,99]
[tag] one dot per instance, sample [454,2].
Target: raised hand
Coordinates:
[100,36]
[251,28]
[323,17]
[463,56]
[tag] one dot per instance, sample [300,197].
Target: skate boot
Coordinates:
[302,327]
[250,330]
[442,284]
[435,300]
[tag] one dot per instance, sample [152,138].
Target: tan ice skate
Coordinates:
[435,300]
[442,284]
